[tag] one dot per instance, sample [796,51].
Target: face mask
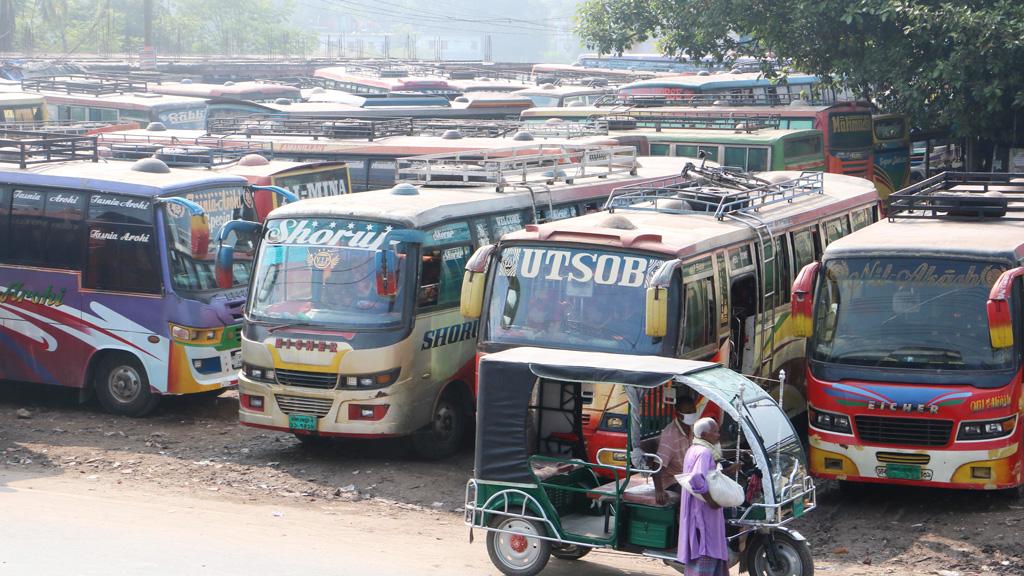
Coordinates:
[689,419]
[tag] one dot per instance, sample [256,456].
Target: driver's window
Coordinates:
[441,271]
[699,315]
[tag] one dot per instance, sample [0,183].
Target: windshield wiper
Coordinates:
[273,329]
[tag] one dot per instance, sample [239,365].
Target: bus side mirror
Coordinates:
[386,265]
[264,199]
[802,301]
[1000,322]
[471,302]
[223,268]
[656,312]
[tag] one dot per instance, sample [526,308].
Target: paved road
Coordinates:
[68,525]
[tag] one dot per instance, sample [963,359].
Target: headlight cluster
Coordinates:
[986,429]
[195,335]
[829,421]
[259,374]
[374,380]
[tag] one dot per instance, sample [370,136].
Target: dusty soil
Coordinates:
[194,446]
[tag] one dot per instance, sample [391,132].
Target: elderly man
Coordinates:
[703,547]
[672,447]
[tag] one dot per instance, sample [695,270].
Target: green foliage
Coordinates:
[945,63]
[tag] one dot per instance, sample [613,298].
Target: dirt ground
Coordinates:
[195,447]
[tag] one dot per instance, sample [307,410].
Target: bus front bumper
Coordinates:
[837,457]
[356,413]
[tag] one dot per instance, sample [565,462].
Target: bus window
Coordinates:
[806,146]
[64,214]
[769,281]
[785,270]
[504,223]
[5,205]
[740,260]
[807,124]
[757,159]
[723,290]
[736,157]
[836,228]
[102,115]
[805,248]
[28,227]
[711,152]
[122,246]
[860,218]
[688,150]
[441,272]
[659,149]
[699,315]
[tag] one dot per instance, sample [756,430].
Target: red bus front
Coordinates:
[849,141]
[906,382]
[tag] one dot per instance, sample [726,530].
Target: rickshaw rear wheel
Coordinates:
[569,551]
[794,557]
[443,436]
[515,552]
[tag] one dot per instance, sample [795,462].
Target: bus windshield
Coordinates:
[581,299]
[906,313]
[850,131]
[194,273]
[322,271]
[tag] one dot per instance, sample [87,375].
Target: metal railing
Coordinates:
[25,148]
[340,128]
[716,99]
[89,85]
[952,195]
[547,163]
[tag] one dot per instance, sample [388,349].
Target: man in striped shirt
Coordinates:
[675,441]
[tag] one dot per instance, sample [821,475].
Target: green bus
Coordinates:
[750,150]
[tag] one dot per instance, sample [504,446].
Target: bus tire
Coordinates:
[518,554]
[122,386]
[442,437]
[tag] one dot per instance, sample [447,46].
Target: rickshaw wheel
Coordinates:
[518,554]
[570,551]
[794,557]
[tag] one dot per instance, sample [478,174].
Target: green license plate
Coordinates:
[798,508]
[903,471]
[302,422]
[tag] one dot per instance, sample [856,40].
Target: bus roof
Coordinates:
[717,81]
[711,135]
[19,98]
[946,238]
[438,204]
[130,101]
[565,90]
[792,110]
[274,167]
[115,177]
[683,235]
[242,90]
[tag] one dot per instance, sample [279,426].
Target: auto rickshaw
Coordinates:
[537,495]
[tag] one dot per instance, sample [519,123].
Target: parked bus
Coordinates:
[115,101]
[302,179]
[892,153]
[914,325]
[363,80]
[352,326]
[749,150]
[477,105]
[21,107]
[107,275]
[743,85]
[563,96]
[846,127]
[673,268]
[248,91]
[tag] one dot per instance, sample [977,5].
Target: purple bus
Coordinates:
[107,279]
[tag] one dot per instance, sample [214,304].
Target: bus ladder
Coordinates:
[764,330]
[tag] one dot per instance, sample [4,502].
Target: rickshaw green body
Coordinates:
[507,484]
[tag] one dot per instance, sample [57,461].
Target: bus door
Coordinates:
[742,307]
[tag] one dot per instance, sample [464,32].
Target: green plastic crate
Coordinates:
[652,527]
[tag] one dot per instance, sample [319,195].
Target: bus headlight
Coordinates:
[374,380]
[829,421]
[986,429]
[259,374]
[195,335]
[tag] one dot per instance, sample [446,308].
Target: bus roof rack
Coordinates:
[24,147]
[719,191]
[185,152]
[342,128]
[73,127]
[715,99]
[518,165]
[961,195]
[702,120]
[89,85]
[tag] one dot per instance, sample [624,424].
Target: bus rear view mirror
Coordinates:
[1000,321]
[656,312]
[471,302]
[802,301]
[386,265]
[266,198]
[224,265]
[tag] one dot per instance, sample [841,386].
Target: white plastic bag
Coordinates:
[724,490]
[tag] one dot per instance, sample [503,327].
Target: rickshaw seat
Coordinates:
[640,490]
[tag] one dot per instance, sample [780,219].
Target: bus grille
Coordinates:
[904,431]
[318,407]
[903,458]
[307,379]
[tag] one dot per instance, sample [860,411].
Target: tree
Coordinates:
[945,63]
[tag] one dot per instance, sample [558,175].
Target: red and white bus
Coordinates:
[914,350]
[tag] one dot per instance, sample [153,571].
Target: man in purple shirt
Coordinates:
[703,547]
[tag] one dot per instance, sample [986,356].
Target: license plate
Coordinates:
[798,508]
[903,471]
[236,360]
[302,422]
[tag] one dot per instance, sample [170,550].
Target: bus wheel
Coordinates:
[443,436]
[122,386]
[515,550]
